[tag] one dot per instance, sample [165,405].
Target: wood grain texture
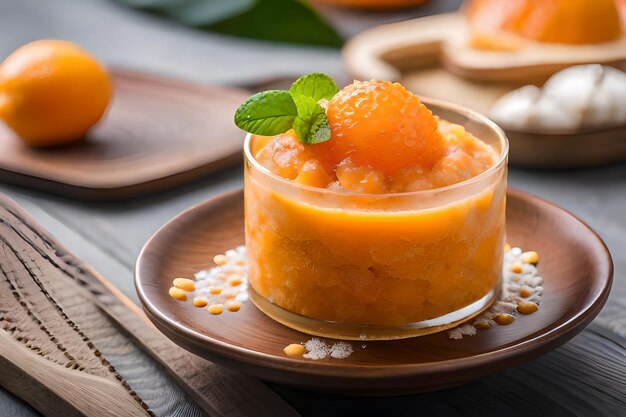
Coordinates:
[138,370]
[575,264]
[416,53]
[157,133]
[42,345]
[585,377]
[84,296]
[447,36]
[14,407]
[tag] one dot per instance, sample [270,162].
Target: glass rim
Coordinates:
[427,101]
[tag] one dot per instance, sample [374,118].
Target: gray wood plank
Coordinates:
[597,196]
[584,378]
[14,407]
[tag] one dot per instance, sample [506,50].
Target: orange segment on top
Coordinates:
[557,21]
[381,125]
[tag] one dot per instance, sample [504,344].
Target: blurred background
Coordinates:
[192,39]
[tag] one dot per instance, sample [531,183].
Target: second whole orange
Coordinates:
[557,21]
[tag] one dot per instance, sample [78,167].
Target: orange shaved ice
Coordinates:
[313,174]
[362,244]
[360,179]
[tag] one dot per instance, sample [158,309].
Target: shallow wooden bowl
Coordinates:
[417,53]
[575,263]
[157,133]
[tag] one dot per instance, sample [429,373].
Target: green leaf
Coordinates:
[292,21]
[267,113]
[311,125]
[315,85]
[206,12]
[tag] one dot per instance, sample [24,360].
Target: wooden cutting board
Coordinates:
[67,338]
[157,133]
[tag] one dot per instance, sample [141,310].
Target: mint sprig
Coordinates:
[276,111]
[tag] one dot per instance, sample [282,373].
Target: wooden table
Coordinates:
[583,378]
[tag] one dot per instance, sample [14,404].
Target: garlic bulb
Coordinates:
[579,97]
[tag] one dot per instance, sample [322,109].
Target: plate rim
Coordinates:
[563,332]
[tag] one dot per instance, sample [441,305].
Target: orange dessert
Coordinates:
[497,24]
[396,219]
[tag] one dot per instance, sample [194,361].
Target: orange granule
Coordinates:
[313,173]
[284,155]
[360,179]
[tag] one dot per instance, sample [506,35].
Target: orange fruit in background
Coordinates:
[373,4]
[52,92]
[558,21]
[382,125]
[621,8]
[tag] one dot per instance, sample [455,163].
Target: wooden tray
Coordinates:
[412,52]
[71,344]
[158,133]
[575,264]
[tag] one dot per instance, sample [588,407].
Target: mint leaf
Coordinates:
[267,113]
[311,125]
[315,85]
[272,112]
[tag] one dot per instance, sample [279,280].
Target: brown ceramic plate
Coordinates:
[414,53]
[158,133]
[575,263]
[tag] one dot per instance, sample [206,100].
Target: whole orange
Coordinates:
[52,92]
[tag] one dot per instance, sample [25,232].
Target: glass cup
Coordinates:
[377,266]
